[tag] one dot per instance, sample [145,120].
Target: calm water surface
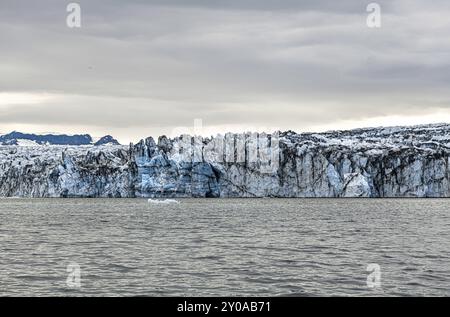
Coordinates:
[248,247]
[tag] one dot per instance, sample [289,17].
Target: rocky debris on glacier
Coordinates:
[373,162]
[75,171]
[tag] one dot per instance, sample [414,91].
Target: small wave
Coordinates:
[164,202]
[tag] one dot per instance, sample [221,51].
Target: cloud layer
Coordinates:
[136,68]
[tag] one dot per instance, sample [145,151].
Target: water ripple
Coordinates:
[238,247]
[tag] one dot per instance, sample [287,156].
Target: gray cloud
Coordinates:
[153,65]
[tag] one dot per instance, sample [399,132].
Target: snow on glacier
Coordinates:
[372,162]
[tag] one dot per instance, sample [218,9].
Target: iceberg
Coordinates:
[163,202]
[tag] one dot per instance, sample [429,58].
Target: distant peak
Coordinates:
[107,140]
[43,139]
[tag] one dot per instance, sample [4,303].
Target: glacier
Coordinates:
[372,162]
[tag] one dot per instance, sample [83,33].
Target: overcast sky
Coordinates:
[137,68]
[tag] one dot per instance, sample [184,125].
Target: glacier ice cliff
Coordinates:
[373,162]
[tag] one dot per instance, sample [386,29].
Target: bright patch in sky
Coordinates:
[15,98]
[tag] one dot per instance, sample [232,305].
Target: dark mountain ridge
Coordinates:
[17,138]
